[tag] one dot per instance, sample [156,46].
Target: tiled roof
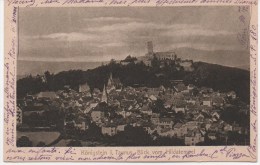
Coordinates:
[180,87]
[178,125]
[165,119]
[51,95]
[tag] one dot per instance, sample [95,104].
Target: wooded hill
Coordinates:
[218,77]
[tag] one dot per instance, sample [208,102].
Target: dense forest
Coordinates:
[209,75]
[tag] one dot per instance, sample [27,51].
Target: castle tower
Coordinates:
[104,95]
[150,47]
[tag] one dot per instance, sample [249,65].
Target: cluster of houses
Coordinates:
[181,111]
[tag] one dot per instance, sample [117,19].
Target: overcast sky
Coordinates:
[99,34]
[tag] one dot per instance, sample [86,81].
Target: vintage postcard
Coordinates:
[130,80]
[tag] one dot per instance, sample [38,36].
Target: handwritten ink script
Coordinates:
[247,37]
[9,81]
[34,3]
[70,154]
[253,81]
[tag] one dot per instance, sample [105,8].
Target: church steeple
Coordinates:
[111,76]
[104,95]
[110,80]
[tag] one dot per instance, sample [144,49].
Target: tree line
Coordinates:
[138,74]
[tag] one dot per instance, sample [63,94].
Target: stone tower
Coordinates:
[150,47]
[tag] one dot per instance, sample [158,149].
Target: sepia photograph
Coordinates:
[136,76]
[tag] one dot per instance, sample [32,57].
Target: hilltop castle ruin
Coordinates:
[187,65]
